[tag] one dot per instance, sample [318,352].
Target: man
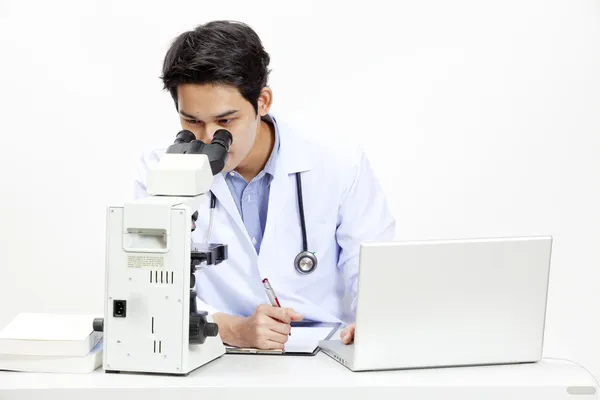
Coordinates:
[217,75]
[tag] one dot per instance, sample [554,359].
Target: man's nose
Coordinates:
[205,135]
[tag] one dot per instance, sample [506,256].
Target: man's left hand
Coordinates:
[347,334]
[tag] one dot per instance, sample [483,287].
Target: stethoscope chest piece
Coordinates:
[305,262]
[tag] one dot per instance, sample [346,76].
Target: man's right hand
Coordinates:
[268,328]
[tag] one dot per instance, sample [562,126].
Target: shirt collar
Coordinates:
[272,161]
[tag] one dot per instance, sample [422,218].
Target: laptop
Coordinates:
[448,303]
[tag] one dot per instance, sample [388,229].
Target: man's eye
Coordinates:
[224,121]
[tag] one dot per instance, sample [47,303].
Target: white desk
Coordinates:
[319,377]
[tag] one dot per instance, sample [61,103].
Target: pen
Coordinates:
[271,295]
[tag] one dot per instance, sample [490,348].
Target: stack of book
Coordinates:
[55,343]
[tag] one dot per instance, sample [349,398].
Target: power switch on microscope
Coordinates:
[120,308]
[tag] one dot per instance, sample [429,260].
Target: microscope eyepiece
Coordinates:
[217,151]
[222,137]
[184,136]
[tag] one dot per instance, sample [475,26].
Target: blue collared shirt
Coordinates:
[252,198]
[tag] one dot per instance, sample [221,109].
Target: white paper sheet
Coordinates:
[306,339]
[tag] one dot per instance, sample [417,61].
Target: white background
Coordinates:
[482,118]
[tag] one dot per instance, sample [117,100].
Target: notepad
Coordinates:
[304,339]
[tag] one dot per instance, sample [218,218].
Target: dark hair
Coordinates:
[219,52]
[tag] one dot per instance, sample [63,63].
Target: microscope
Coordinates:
[151,323]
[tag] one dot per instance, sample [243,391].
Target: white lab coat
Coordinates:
[343,205]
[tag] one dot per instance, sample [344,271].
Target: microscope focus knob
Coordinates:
[211,329]
[200,328]
[98,325]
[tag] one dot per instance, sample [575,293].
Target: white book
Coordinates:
[53,364]
[49,335]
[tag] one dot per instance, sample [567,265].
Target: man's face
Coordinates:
[204,109]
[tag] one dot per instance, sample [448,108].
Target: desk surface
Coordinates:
[249,375]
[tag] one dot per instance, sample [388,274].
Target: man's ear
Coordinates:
[265,99]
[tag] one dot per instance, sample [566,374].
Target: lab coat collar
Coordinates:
[294,153]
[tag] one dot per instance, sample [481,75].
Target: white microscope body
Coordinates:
[150,320]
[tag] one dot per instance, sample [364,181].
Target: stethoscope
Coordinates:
[306,261]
